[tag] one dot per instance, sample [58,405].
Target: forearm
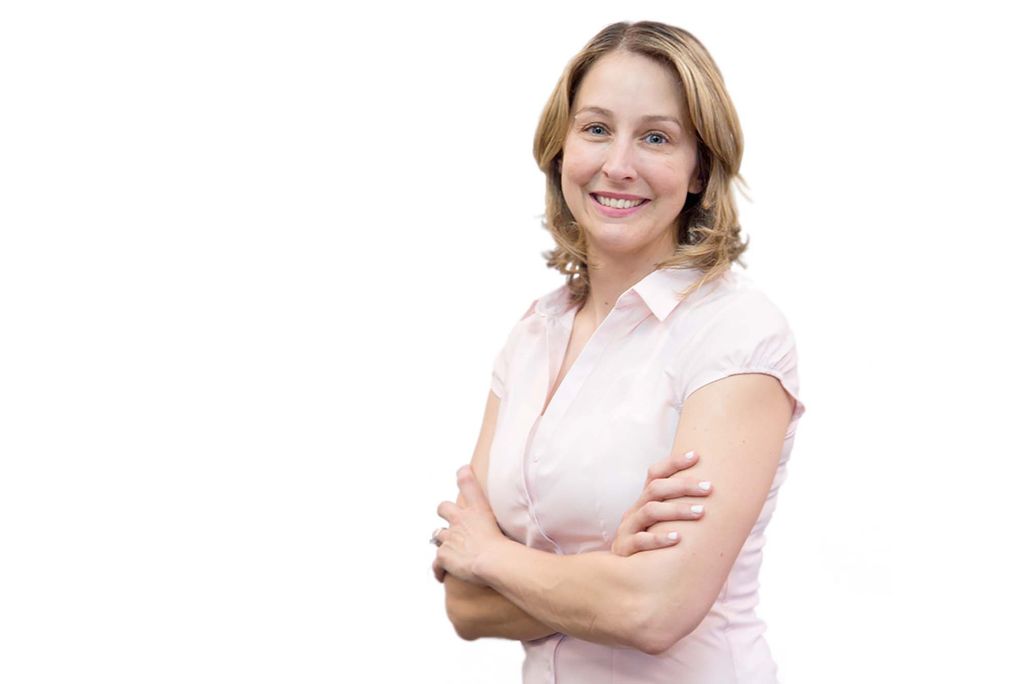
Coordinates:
[593,596]
[476,611]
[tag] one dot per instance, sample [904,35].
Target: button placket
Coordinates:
[619,322]
[623,318]
[533,449]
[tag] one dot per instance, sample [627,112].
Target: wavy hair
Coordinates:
[708,229]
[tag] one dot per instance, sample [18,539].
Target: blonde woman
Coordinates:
[655,345]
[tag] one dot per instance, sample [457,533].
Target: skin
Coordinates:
[646,601]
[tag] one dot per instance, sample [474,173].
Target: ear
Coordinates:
[697,180]
[701,170]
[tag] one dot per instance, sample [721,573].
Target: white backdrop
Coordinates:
[256,260]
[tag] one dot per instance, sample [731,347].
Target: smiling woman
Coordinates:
[616,144]
[578,528]
[676,106]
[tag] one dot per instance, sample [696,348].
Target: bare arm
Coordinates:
[476,611]
[649,601]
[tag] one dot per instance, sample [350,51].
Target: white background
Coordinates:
[257,258]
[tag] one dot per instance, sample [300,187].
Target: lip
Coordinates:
[611,212]
[617,195]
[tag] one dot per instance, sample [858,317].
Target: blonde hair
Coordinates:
[708,232]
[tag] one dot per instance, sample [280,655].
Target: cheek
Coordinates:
[579,164]
[572,179]
[669,180]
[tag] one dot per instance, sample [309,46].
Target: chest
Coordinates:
[586,413]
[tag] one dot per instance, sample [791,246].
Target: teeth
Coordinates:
[617,203]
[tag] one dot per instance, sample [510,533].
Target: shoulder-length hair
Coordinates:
[708,229]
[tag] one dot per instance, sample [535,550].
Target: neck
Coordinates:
[609,278]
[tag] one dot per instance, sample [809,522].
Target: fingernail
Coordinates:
[673,536]
[689,455]
[704,486]
[697,509]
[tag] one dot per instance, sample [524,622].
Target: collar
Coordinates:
[659,291]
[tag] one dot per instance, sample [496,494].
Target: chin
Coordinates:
[619,239]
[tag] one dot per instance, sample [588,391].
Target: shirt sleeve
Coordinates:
[500,371]
[750,335]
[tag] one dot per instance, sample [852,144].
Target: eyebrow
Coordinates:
[650,117]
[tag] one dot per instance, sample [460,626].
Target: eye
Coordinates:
[592,127]
[656,138]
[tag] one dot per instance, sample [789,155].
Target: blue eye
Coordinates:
[591,127]
[657,135]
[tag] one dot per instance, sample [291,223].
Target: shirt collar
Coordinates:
[658,290]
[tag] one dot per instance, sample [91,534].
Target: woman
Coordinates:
[654,345]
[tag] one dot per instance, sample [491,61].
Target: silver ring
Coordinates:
[433,538]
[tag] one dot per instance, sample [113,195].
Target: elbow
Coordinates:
[657,643]
[465,632]
[464,627]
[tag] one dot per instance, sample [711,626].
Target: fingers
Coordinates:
[645,541]
[672,465]
[668,489]
[653,512]
[447,510]
[439,571]
[660,511]
[673,488]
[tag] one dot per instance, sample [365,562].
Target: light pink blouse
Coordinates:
[561,482]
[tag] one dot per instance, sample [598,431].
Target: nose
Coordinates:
[619,164]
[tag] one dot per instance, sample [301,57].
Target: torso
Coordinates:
[561,484]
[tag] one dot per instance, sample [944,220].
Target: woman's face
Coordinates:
[627,147]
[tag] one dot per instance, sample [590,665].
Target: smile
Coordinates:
[616,208]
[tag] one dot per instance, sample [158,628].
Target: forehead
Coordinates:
[630,85]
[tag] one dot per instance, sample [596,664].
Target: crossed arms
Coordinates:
[648,601]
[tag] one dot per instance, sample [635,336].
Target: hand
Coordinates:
[660,501]
[472,531]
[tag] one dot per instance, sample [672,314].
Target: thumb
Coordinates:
[471,489]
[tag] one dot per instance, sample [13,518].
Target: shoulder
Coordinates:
[531,322]
[549,305]
[730,312]
[525,337]
[733,328]
[735,296]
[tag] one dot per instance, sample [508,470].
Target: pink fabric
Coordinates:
[561,482]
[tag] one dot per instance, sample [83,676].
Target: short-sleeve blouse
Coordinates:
[561,481]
